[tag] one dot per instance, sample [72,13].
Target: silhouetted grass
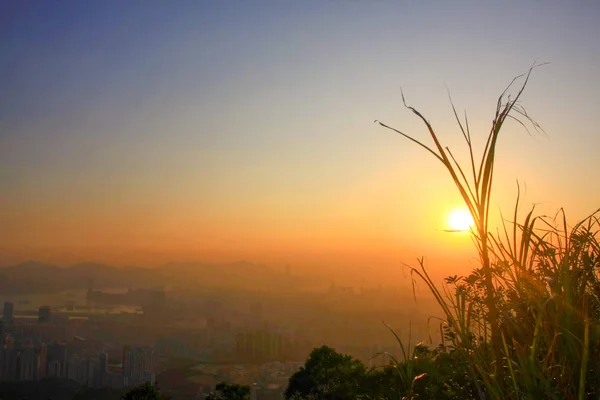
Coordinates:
[525,322]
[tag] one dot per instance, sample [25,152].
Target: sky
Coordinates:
[142,132]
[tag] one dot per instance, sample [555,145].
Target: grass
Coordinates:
[525,323]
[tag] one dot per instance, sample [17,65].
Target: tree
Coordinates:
[144,392]
[230,391]
[328,374]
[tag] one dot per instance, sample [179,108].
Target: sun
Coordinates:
[460,220]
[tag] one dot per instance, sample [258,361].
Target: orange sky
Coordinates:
[214,134]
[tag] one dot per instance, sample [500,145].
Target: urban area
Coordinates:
[185,343]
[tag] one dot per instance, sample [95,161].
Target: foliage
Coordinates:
[428,374]
[230,391]
[144,392]
[327,374]
[525,324]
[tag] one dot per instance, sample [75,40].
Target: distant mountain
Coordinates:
[5,283]
[29,269]
[197,267]
[35,277]
[242,274]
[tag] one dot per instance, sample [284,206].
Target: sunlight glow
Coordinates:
[460,220]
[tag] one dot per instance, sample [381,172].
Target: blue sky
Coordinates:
[217,124]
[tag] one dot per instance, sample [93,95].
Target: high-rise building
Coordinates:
[57,360]
[44,314]
[72,367]
[9,310]
[262,346]
[139,365]
[102,368]
[92,369]
[42,361]
[27,363]
[103,357]
[53,369]
[9,364]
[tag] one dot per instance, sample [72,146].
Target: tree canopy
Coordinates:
[327,374]
[145,392]
[230,391]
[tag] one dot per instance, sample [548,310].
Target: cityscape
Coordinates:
[118,339]
[56,346]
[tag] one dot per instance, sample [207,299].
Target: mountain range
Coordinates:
[37,277]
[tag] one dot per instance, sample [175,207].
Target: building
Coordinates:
[9,312]
[139,365]
[262,346]
[54,369]
[57,360]
[8,359]
[42,361]
[113,380]
[114,376]
[9,365]
[44,314]
[93,372]
[72,368]
[27,364]
[101,370]
[22,360]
